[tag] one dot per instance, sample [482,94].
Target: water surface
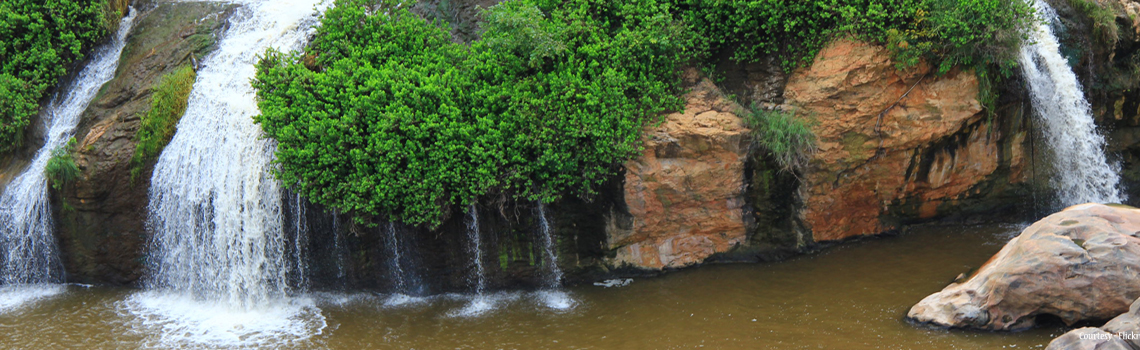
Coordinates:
[849,297]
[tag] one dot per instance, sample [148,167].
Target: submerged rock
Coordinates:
[1080,264]
[1123,332]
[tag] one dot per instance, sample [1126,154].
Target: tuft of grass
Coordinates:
[61,169]
[789,139]
[158,125]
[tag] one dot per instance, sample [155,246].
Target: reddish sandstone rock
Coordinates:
[864,163]
[685,193]
[1079,264]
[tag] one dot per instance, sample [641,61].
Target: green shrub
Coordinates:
[948,32]
[788,139]
[61,169]
[384,115]
[40,40]
[168,103]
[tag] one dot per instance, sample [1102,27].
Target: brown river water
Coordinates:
[853,296]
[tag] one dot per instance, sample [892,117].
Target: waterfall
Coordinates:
[480,303]
[553,278]
[1080,172]
[219,257]
[405,283]
[477,279]
[394,252]
[27,243]
[552,297]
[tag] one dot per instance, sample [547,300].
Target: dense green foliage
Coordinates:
[157,127]
[788,139]
[385,116]
[40,40]
[61,169]
[977,33]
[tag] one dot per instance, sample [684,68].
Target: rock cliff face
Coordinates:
[1080,264]
[888,136]
[102,234]
[685,194]
[894,147]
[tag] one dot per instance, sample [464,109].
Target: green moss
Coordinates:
[1069,222]
[168,102]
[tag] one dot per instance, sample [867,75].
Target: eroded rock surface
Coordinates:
[1122,332]
[888,136]
[685,193]
[1079,264]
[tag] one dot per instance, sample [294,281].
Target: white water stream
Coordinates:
[29,257]
[219,258]
[1081,174]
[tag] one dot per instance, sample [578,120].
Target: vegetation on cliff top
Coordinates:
[41,39]
[384,115]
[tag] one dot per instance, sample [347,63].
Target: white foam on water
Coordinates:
[481,304]
[403,300]
[555,299]
[172,320]
[15,297]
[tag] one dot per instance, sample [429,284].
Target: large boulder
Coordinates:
[1080,264]
[1123,332]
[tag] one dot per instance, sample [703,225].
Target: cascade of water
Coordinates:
[553,297]
[300,249]
[397,271]
[215,208]
[220,268]
[1081,173]
[477,279]
[553,278]
[27,244]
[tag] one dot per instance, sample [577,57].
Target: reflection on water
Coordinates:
[849,297]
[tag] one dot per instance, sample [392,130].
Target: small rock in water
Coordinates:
[616,282]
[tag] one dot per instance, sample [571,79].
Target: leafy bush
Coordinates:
[384,116]
[61,169]
[168,103]
[973,33]
[41,38]
[788,139]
